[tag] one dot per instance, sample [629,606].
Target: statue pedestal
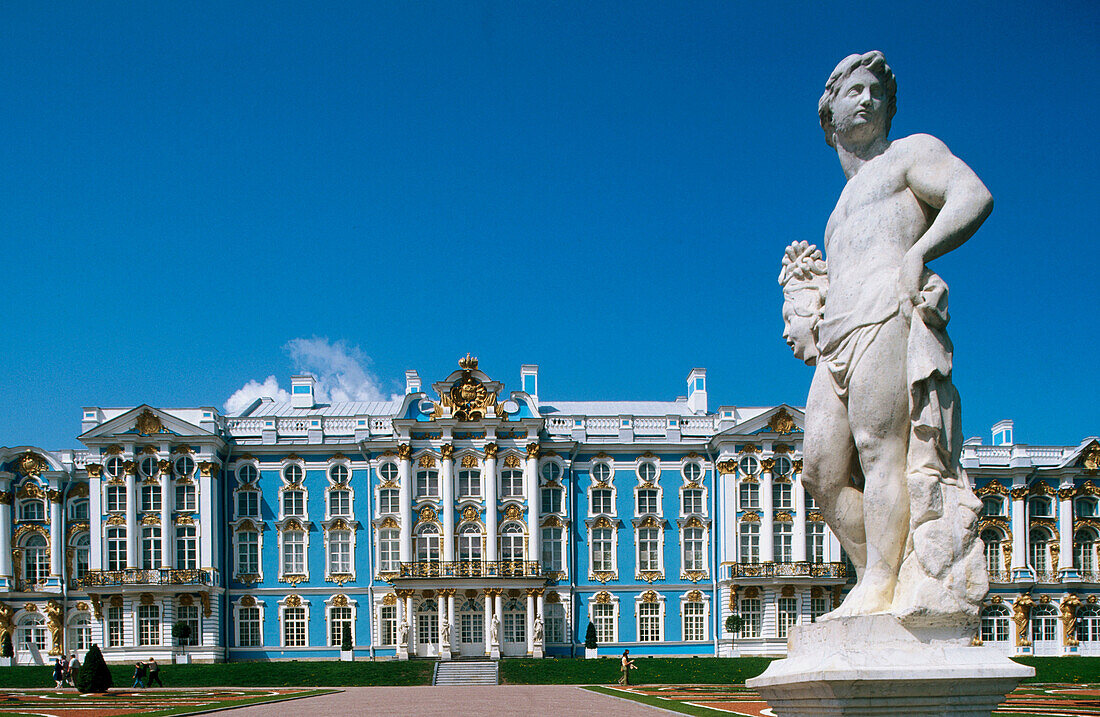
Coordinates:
[494,652]
[445,653]
[873,665]
[403,652]
[537,652]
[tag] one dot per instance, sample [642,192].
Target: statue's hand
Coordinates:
[909,280]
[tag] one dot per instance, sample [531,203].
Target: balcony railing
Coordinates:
[788,570]
[472,569]
[137,576]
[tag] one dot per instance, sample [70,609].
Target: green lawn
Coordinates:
[651,670]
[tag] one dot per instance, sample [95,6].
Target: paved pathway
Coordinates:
[560,701]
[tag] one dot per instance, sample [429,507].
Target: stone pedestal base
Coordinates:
[445,653]
[872,665]
[537,652]
[494,653]
[402,653]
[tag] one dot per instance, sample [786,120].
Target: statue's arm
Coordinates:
[944,182]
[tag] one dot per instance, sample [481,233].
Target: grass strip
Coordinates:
[671,705]
[651,670]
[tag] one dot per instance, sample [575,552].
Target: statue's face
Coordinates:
[859,110]
[798,332]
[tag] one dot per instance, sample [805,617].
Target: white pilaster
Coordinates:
[95,533]
[799,537]
[489,477]
[488,621]
[767,519]
[1065,531]
[446,476]
[442,607]
[133,540]
[530,631]
[1019,536]
[207,532]
[404,494]
[534,503]
[167,500]
[5,526]
[57,550]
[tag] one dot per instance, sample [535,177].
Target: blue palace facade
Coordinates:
[464,520]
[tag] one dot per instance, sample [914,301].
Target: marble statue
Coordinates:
[882,429]
[494,631]
[538,630]
[403,633]
[445,632]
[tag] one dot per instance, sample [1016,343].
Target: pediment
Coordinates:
[145,422]
[782,420]
[1087,455]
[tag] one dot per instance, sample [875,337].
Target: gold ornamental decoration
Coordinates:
[340,601]
[1067,611]
[204,598]
[1090,458]
[404,451]
[469,461]
[533,450]
[469,513]
[426,461]
[427,514]
[293,601]
[512,461]
[97,607]
[1021,609]
[649,596]
[603,597]
[782,422]
[446,451]
[513,512]
[95,470]
[147,423]
[31,464]
[491,450]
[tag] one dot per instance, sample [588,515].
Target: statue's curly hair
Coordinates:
[874,61]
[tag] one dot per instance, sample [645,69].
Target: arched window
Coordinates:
[1044,623]
[427,622]
[1084,550]
[31,630]
[32,509]
[995,623]
[1086,507]
[511,542]
[79,632]
[36,559]
[992,540]
[750,542]
[427,543]
[992,506]
[1088,623]
[469,543]
[81,552]
[1038,543]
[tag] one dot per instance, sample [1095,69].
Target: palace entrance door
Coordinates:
[471,629]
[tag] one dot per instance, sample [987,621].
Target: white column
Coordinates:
[207,531]
[167,499]
[1019,531]
[133,540]
[404,494]
[1065,529]
[534,502]
[442,618]
[488,620]
[799,536]
[489,477]
[541,611]
[57,543]
[767,532]
[498,610]
[412,621]
[446,476]
[5,527]
[95,513]
[451,613]
[530,631]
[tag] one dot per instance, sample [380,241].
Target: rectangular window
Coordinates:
[781,496]
[601,501]
[515,627]
[469,482]
[148,625]
[555,623]
[339,503]
[294,503]
[294,627]
[187,554]
[649,622]
[114,627]
[150,498]
[389,501]
[190,614]
[648,553]
[471,627]
[511,483]
[692,502]
[752,615]
[695,624]
[116,549]
[339,552]
[248,504]
[185,498]
[750,496]
[151,548]
[80,634]
[388,547]
[817,608]
[693,548]
[427,628]
[551,500]
[248,627]
[387,623]
[116,498]
[551,549]
[337,618]
[788,616]
[427,483]
[749,534]
[781,542]
[601,550]
[647,501]
[248,553]
[603,617]
[815,542]
[294,553]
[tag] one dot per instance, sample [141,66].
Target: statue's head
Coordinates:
[805,283]
[853,69]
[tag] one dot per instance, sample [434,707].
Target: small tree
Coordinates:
[590,637]
[5,646]
[94,675]
[345,638]
[734,625]
[182,632]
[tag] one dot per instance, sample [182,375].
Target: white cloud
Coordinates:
[246,394]
[341,371]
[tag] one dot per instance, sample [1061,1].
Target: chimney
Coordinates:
[697,390]
[1002,433]
[412,382]
[301,391]
[529,380]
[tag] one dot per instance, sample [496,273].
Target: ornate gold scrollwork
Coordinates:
[782,422]
[404,451]
[1021,609]
[512,461]
[446,451]
[31,464]
[426,461]
[147,423]
[491,450]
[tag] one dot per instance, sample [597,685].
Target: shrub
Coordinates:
[345,638]
[734,623]
[5,646]
[590,637]
[94,675]
[181,631]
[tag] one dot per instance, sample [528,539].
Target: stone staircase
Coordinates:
[462,673]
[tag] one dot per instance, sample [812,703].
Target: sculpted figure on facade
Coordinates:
[403,633]
[538,630]
[882,431]
[494,631]
[445,632]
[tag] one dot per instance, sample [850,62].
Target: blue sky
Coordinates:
[604,189]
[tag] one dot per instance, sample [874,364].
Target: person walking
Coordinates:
[58,673]
[154,673]
[74,670]
[627,666]
[139,674]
